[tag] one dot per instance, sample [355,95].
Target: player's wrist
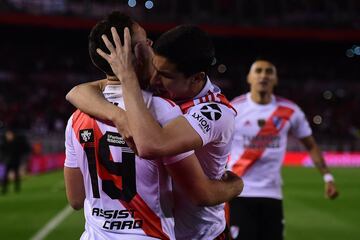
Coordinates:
[328,177]
[128,76]
[115,113]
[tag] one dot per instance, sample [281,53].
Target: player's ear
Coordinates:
[139,53]
[143,54]
[198,77]
[248,78]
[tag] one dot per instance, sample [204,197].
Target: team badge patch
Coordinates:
[86,135]
[211,112]
[261,122]
[277,121]
[247,123]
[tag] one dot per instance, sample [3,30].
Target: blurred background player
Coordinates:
[14,148]
[261,130]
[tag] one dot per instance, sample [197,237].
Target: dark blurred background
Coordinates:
[315,45]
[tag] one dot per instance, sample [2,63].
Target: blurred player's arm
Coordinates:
[189,176]
[318,160]
[74,184]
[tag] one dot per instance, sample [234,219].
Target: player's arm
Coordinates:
[151,140]
[189,176]
[163,142]
[88,97]
[74,185]
[318,159]
[74,182]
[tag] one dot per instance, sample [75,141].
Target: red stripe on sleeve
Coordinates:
[185,106]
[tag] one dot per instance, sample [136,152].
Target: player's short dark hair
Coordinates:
[188,47]
[265,58]
[116,19]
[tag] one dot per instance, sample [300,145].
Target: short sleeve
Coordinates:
[177,158]
[213,122]
[164,111]
[300,127]
[70,153]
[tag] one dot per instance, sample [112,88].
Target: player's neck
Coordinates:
[112,80]
[261,97]
[197,89]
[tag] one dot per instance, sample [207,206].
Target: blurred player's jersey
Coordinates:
[126,197]
[260,140]
[214,122]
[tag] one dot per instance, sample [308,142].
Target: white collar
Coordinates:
[272,102]
[209,86]
[116,92]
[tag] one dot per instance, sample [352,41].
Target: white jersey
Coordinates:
[260,140]
[126,197]
[214,122]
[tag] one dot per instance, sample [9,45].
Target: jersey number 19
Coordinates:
[124,169]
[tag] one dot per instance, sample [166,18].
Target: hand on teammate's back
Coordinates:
[230,176]
[331,191]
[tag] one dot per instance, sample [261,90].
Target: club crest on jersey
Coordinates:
[261,122]
[211,112]
[86,135]
[278,122]
[247,123]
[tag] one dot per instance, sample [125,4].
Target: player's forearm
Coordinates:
[147,133]
[220,191]
[315,153]
[88,97]
[318,160]
[227,190]
[75,191]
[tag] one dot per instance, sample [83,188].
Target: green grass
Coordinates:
[42,197]
[309,216]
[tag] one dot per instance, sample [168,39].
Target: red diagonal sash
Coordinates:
[251,155]
[151,222]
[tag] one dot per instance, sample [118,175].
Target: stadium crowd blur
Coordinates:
[40,64]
